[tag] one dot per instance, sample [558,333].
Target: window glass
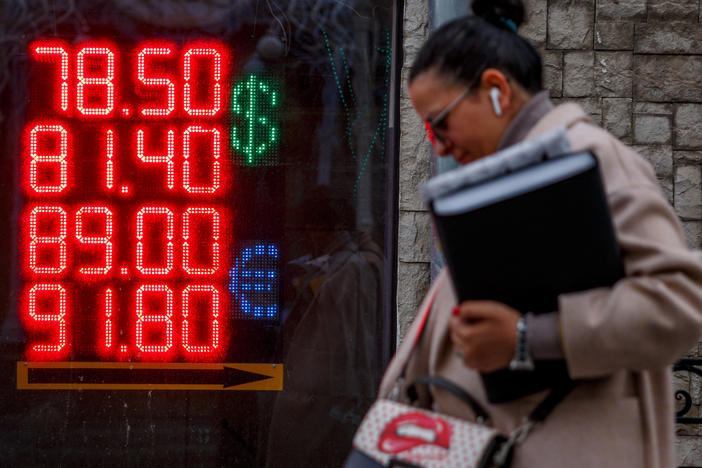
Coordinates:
[196,262]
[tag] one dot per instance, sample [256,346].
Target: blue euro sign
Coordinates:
[254,281]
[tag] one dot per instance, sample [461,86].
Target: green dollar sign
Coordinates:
[256,138]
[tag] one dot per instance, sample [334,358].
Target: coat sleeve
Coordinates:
[651,317]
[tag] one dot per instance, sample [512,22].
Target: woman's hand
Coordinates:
[485,333]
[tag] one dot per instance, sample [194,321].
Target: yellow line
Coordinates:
[274,371]
[22,376]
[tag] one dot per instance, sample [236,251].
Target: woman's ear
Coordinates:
[498,89]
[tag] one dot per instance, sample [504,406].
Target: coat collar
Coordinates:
[533,111]
[564,115]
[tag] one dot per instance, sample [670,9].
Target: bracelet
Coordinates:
[522,358]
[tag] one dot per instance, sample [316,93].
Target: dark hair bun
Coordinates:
[500,12]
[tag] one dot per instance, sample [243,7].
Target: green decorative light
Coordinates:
[381,127]
[255,140]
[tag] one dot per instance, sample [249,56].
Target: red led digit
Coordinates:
[187,266]
[166,159]
[141,75]
[216,101]
[109,164]
[162,212]
[105,240]
[216,148]
[214,322]
[107,81]
[48,133]
[39,219]
[165,317]
[108,318]
[38,312]
[49,49]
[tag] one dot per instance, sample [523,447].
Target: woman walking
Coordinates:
[477,85]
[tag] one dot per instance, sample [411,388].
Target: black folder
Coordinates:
[522,233]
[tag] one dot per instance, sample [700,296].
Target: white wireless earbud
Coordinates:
[494,97]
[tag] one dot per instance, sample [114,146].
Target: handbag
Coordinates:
[394,434]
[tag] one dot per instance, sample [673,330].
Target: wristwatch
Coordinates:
[522,358]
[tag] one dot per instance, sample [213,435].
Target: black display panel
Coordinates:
[198,256]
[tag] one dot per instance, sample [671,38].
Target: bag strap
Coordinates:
[503,454]
[557,394]
[480,413]
[425,311]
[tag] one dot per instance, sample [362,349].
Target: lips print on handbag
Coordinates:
[394,434]
[411,430]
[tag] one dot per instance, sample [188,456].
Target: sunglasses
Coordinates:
[438,123]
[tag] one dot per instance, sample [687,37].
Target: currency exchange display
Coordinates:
[127,176]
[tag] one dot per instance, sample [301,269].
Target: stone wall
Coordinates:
[636,67]
[415,156]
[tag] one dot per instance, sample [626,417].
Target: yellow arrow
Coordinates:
[148,376]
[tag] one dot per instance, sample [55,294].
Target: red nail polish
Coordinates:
[456,310]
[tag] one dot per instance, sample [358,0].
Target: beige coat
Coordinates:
[621,339]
